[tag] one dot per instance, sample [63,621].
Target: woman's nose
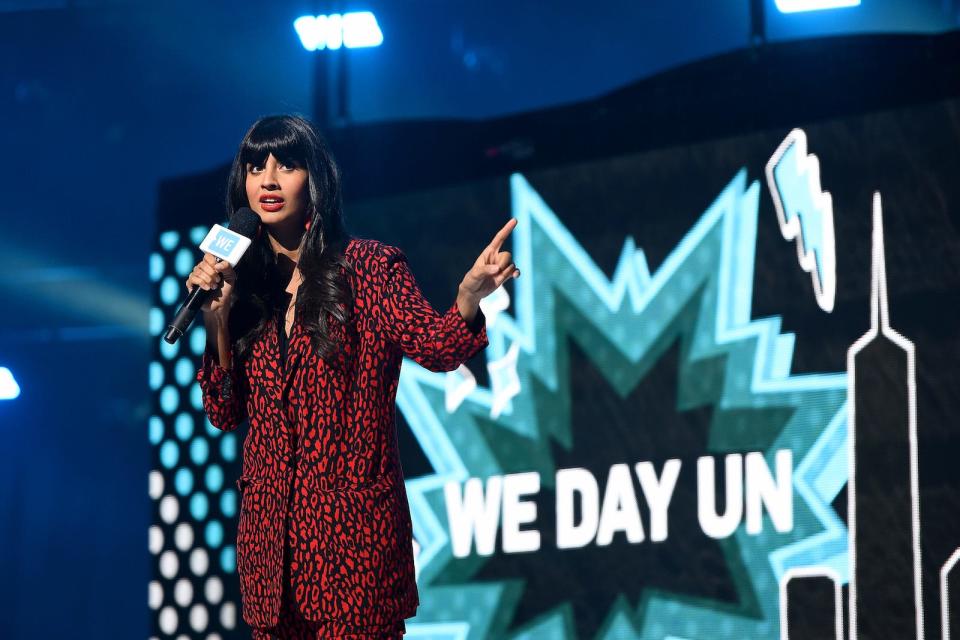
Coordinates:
[269,179]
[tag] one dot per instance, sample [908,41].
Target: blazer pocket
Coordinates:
[254,502]
[366,532]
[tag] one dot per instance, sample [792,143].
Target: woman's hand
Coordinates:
[218,277]
[491,269]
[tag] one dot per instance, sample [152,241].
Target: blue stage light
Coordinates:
[155,430]
[353,30]
[9,389]
[797,6]
[228,558]
[214,478]
[228,447]
[156,321]
[183,481]
[183,426]
[156,267]
[228,503]
[199,450]
[199,506]
[214,534]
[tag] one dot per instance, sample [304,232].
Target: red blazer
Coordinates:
[341,485]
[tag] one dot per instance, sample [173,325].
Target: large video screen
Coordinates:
[720,402]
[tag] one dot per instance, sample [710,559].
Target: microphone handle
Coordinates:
[186,313]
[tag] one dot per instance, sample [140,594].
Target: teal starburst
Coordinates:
[624,324]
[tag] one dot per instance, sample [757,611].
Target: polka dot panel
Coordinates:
[193,591]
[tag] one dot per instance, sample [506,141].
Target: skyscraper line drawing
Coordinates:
[883,499]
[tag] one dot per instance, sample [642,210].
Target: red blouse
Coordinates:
[350,528]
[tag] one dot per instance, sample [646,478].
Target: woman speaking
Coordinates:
[305,340]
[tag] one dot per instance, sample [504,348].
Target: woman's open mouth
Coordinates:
[271,204]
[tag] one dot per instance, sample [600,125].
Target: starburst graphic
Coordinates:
[732,369]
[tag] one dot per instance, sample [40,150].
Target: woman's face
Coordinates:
[278,192]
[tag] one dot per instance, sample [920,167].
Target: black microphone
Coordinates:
[227,243]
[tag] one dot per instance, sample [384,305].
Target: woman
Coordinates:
[305,340]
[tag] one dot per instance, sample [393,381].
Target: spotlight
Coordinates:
[9,389]
[797,6]
[351,30]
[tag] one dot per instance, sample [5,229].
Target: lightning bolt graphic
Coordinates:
[805,212]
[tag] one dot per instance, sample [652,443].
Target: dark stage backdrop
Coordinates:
[717,403]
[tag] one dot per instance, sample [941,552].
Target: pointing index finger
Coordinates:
[502,234]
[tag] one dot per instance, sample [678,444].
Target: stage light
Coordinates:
[353,30]
[9,389]
[797,6]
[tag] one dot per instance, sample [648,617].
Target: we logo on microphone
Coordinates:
[225,244]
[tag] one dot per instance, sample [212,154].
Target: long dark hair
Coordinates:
[324,295]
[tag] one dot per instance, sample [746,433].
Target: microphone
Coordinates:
[226,243]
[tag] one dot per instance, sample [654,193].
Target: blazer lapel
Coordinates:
[289,367]
[284,370]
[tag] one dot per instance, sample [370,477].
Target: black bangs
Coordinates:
[277,137]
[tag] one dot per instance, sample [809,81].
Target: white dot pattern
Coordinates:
[183,536]
[183,592]
[155,485]
[199,617]
[169,509]
[169,565]
[199,562]
[169,620]
[228,615]
[155,539]
[154,595]
[213,590]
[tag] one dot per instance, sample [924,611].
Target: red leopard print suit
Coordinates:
[321,452]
